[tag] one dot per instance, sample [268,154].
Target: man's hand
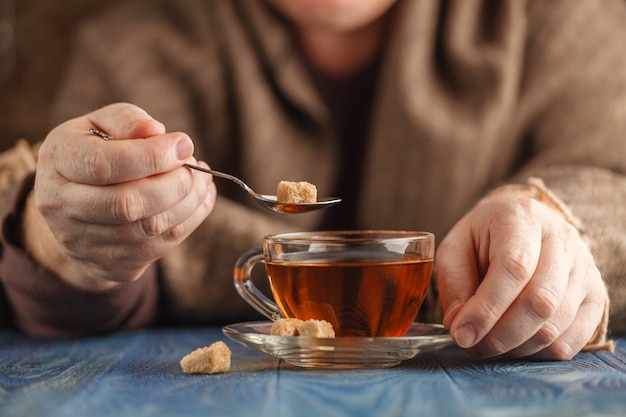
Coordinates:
[516,278]
[103,211]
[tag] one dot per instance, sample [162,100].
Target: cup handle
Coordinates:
[246,288]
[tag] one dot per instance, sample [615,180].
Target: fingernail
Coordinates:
[184,148]
[465,336]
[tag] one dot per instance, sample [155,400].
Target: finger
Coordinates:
[585,291]
[574,339]
[457,273]
[80,156]
[122,247]
[90,160]
[193,217]
[125,121]
[539,313]
[130,201]
[200,198]
[176,224]
[514,249]
[547,334]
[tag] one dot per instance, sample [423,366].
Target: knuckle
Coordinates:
[518,264]
[127,115]
[70,241]
[98,166]
[154,158]
[487,313]
[46,206]
[542,303]
[128,206]
[75,242]
[566,229]
[155,225]
[547,334]
[185,184]
[177,233]
[207,200]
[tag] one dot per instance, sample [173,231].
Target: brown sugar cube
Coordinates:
[296,192]
[285,327]
[316,328]
[207,360]
[297,327]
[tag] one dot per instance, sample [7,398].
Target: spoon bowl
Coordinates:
[268,201]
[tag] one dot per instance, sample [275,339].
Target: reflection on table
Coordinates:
[138,374]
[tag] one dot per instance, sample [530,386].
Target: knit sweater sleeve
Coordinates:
[575,113]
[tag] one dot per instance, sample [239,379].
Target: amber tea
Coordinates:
[358,297]
[365,283]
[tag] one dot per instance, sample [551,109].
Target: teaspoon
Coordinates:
[270,202]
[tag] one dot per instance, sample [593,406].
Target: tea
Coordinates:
[367,283]
[359,294]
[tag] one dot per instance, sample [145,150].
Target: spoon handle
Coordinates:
[221,175]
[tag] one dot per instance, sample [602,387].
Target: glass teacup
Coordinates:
[365,283]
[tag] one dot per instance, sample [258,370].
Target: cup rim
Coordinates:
[369,235]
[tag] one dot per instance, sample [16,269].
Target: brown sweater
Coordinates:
[471,95]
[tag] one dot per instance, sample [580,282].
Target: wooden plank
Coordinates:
[137,374]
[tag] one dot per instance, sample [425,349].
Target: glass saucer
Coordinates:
[340,352]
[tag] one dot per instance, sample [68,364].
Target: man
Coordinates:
[485,122]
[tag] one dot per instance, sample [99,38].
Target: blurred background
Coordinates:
[35,41]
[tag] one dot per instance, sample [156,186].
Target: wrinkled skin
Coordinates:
[516,278]
[114,207]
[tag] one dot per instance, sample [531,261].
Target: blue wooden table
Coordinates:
[138,374]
